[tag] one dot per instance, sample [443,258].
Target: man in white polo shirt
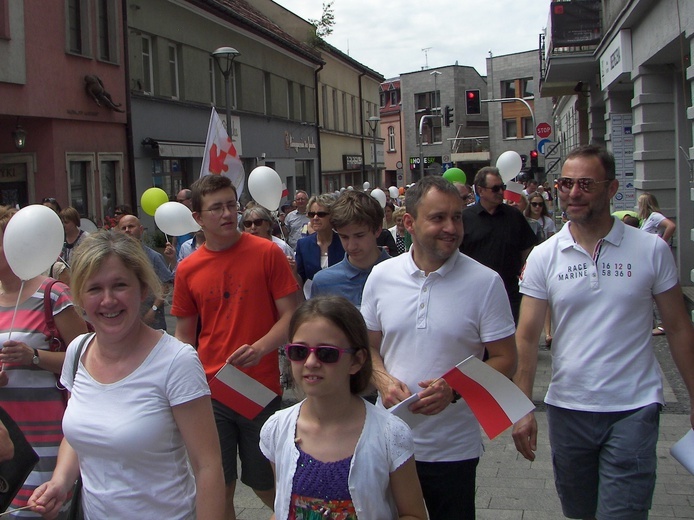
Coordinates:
[599,278]
[412,305]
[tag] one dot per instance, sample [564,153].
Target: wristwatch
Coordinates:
[155,308]
[35,360]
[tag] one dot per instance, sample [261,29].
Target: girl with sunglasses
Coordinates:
[334,454]
[537,210]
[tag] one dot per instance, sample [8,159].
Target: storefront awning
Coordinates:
[175,148]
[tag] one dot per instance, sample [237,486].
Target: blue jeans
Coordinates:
[604,462]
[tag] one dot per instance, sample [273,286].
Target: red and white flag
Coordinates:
[221,157]
[240,392]
[513,191]
[494,399]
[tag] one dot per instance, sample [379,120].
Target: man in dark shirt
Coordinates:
[497,235]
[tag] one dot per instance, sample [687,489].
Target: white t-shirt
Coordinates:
[429,325]
[602,356]
[132,457]
[286,249]
[651,224]
[548,226]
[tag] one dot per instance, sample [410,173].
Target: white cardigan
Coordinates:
[384,445]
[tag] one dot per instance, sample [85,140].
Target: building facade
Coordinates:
[62,70]
[513,124]
[621,73]
[174,81]
[426,97]
[393,132]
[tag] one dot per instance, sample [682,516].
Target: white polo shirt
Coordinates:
[430,324]
[602,356]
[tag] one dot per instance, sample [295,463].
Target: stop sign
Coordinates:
[543,130]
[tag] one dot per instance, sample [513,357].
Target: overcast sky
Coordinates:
[389,37]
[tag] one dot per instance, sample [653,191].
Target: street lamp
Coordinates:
[224,58]
[373,125]
[19,136]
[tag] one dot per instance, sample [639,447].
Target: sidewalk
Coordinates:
[512,488]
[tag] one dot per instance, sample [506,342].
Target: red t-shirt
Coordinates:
[234,292]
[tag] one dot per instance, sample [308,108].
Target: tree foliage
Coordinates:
[324,25]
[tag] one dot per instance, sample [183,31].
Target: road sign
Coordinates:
[542,144]
[543,130]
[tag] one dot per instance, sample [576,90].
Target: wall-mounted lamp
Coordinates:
[19,136]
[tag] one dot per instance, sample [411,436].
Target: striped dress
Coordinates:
[31,397]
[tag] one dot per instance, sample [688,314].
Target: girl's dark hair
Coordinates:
[345,316]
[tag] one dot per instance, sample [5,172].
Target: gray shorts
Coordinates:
[239,435]
[604,462]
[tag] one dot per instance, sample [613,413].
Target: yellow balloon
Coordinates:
[153,198]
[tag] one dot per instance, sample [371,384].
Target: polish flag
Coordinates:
[221,157]
[513,192]
[240,392]
[494,399]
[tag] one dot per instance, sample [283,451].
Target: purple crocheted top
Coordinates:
[324,480]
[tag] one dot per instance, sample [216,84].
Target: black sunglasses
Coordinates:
[321,214]
[257,223]
[324,353]
[497,188]
[50,200]
[536,204]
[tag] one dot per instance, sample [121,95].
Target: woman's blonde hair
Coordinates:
[91,254]
[647,205]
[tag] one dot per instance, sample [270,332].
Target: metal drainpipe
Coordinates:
[318,149]
[361,126]
[128,112]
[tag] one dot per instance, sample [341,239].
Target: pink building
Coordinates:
[392,132]
[74,149]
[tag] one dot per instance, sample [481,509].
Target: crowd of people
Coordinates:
[362,326]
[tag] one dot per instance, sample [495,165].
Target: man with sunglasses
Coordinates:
[497,235]
[241,289]
[599,278]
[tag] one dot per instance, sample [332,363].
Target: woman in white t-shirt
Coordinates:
[652,220]
[139,427]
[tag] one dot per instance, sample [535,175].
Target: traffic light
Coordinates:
[524,161]
[447,116]
[533,160]
[472,99]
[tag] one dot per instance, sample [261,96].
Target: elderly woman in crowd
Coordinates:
[323,248]
[139,426]
[32,359]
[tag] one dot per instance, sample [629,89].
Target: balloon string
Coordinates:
[16,307]
[64,261]
[14,315]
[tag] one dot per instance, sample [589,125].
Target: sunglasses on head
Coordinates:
[320,214]
[497,188]
[324,353]
[257,223]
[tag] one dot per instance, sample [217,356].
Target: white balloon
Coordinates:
[265,187]
[33,240]
[393,192]
[175,219]
[366,185]
[342,189]
[88,226]
[380,196]
[350,187]
[509,164]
